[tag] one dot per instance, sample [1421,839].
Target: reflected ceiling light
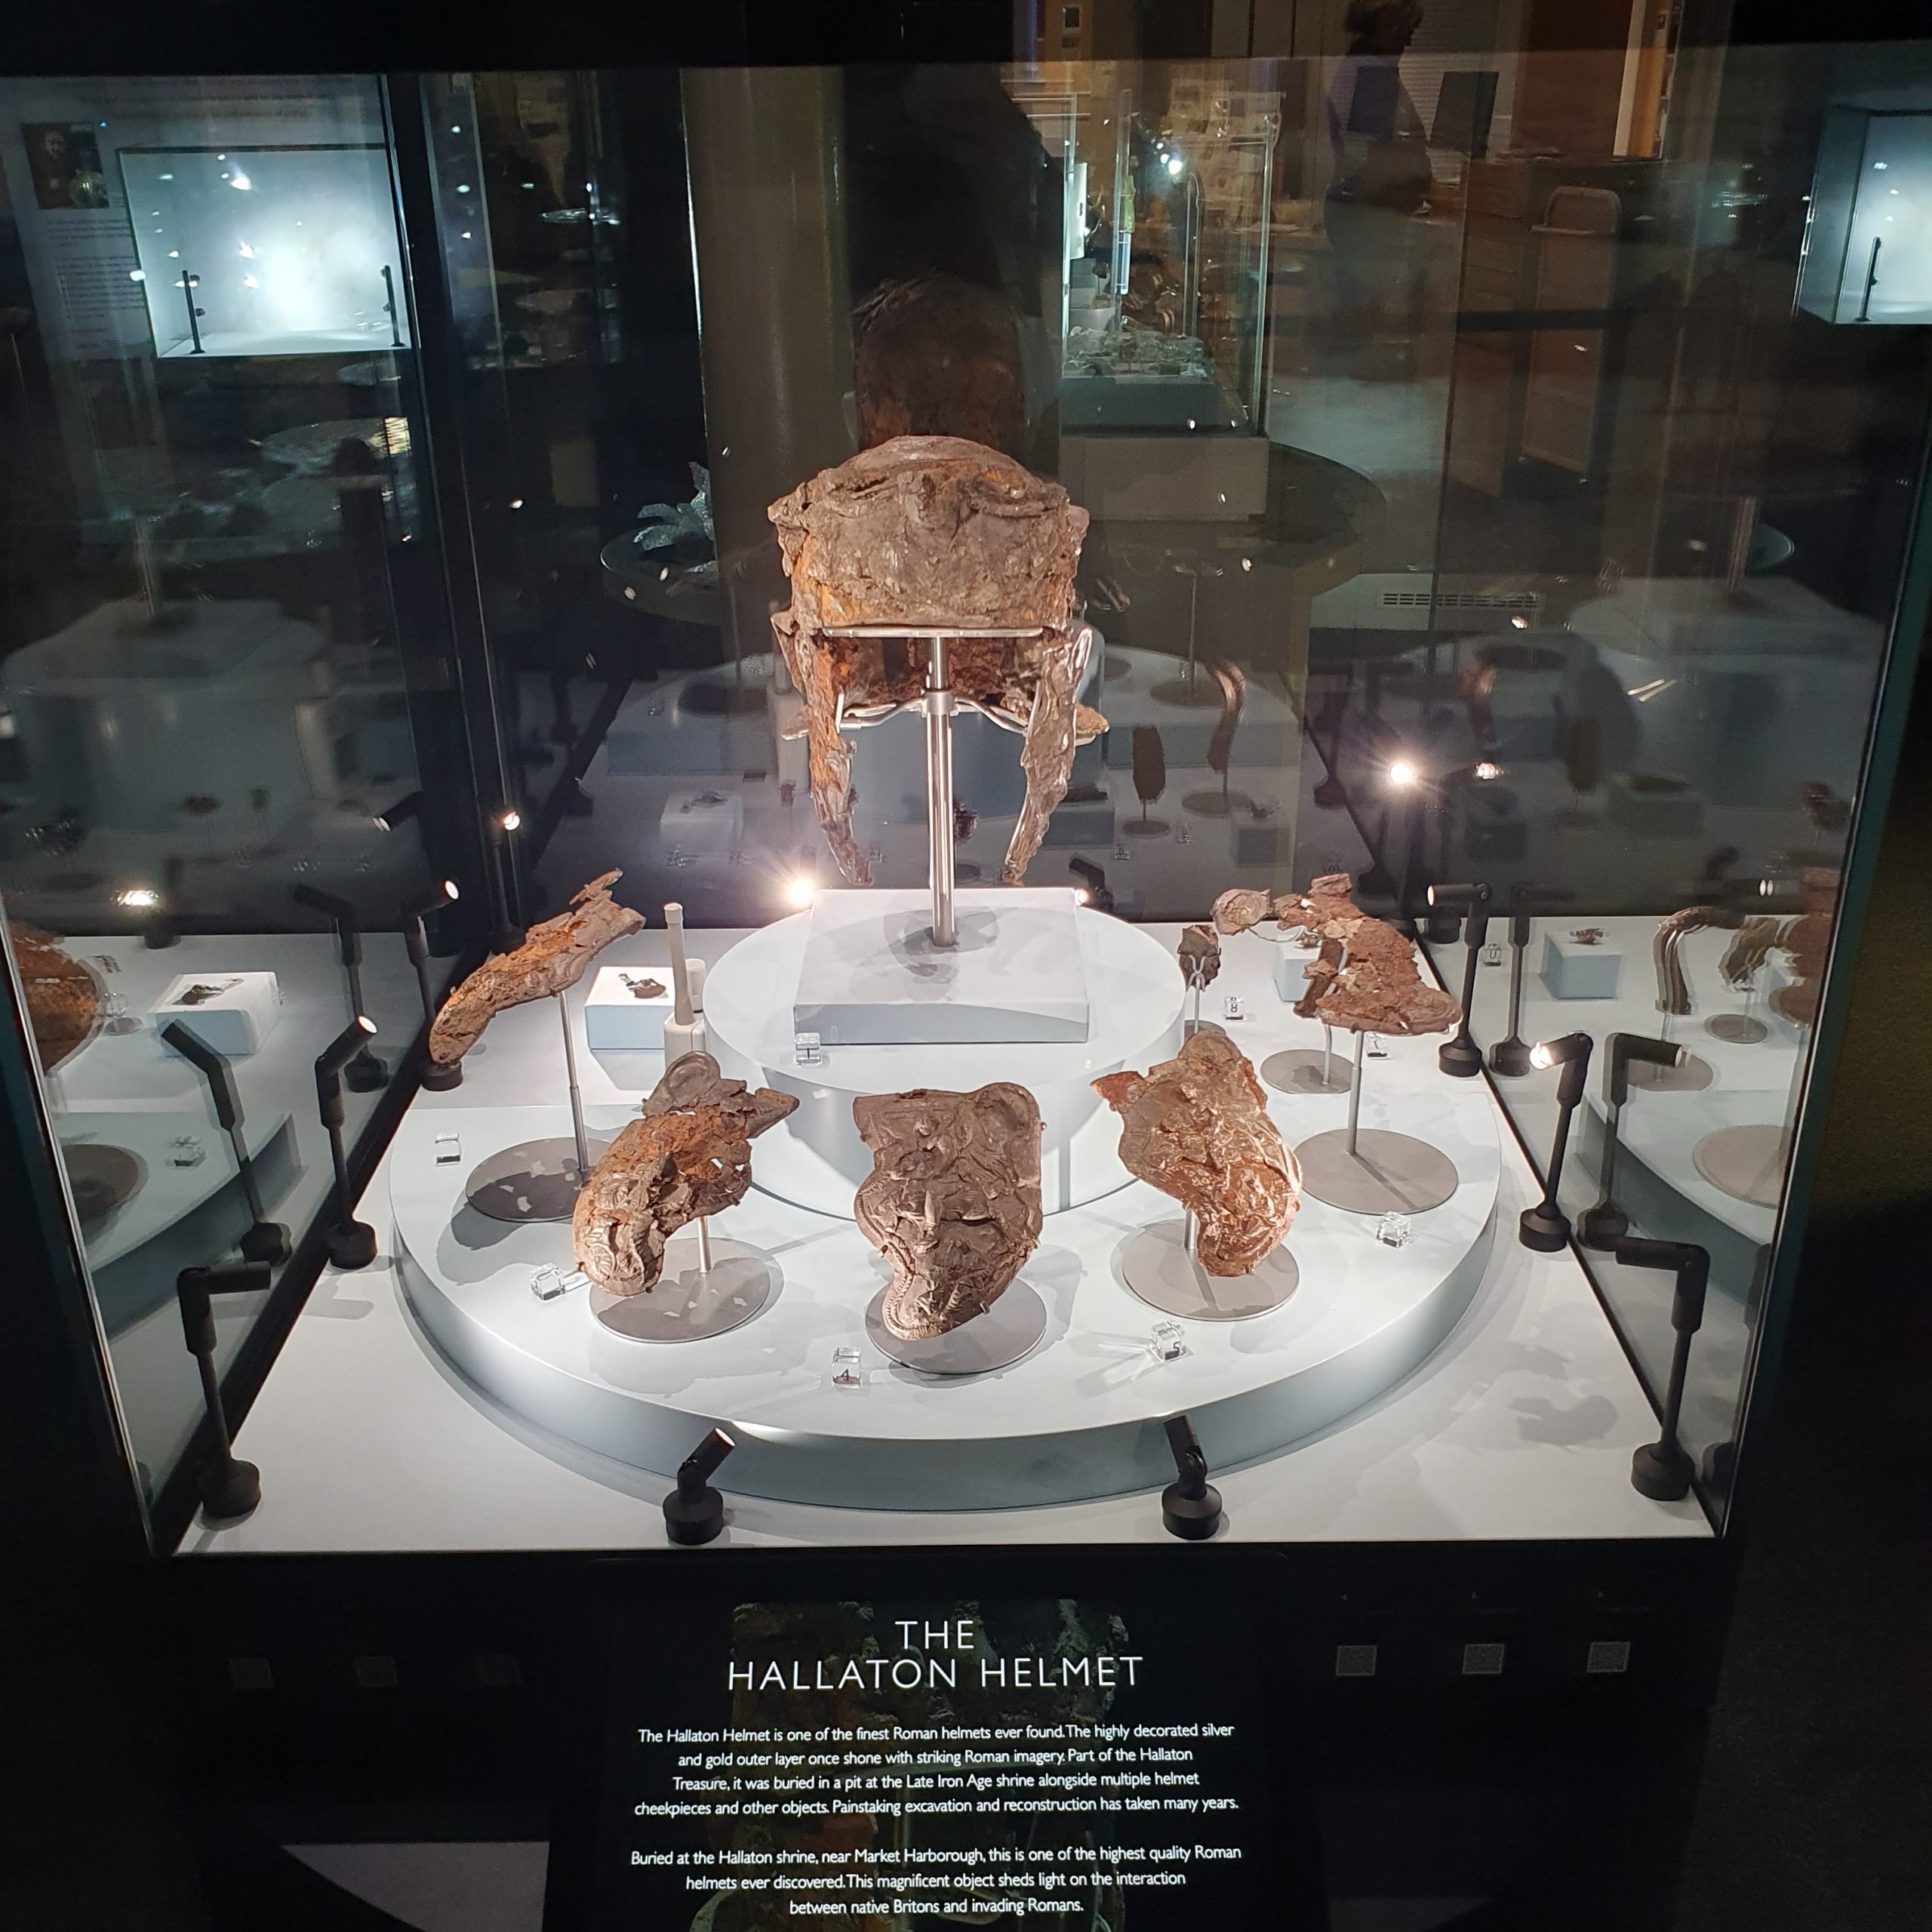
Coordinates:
[242,181]
[1488,772]
[139,898]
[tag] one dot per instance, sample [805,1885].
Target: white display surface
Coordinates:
[1078,1415]
[869,974]
[1520,1426]
[816,1158]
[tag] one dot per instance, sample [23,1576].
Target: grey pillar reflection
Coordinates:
[774,310]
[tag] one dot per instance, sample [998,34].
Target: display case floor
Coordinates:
[1520,1424]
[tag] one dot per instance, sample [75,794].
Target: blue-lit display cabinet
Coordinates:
[372,593]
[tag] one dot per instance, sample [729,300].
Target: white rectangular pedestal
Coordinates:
[1571,971]
[1291,971]
[703,822]
[233,1013]
[871,975]
[619,1019]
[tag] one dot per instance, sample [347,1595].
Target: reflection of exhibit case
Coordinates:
[267,250]
[1868,235]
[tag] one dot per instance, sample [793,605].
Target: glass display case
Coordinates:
[999,755]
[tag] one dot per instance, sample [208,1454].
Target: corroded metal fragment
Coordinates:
[689,1154]
[1199,953]
[952,1201]
[551,960]
[1197,1128]
[933,532]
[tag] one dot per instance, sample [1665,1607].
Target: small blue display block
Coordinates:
[1572,970]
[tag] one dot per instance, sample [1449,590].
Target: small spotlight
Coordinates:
[449,891]
[1521,623]
[510,821]
[1402,774]
[405,809]
[1175,163]
[1079,895]
[1541,1057]
[800,891]
[1488,772]
[139,898]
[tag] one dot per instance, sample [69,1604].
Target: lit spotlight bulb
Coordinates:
[1402,773]
[510,820]
[1521,623]
[139,898]
[800,891]
[1541,1057]
[1079,895]
[1488,773]
[1175,163]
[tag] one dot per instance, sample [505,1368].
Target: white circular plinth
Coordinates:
[995,1338]
[1155,1264]
[688,1305]
[821,1415]
[816,1159]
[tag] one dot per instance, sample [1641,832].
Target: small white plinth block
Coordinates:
[1291,971]
[1571,971]
[618,1019]
[233,1013]
[703,822]
[871,975]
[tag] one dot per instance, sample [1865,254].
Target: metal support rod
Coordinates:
[244,1171]
[1354,1093]
[1190,1236]
[1327,1055]
[1871,280]
[218,1416]
[389,307]
[704,1245]
[1194,985]
[345,1205]
[939,793]
[189,283]
[576,1098]
[1193,611]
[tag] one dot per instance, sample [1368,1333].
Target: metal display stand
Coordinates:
[996,1338]
[539,1180]
[1372,1171]
[716,1287]
[937,703]
[1302,1070]
[1161,1265]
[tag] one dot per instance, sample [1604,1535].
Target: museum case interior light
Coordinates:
[805,915]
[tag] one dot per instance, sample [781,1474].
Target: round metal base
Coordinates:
[686,1305]
[1216,804]
[1012,1327]
[1113,665]
[1736,1029]
[229,1489]
[1304,1070]
[1388,1172]
[1747,1162]
[1145,828]
[1156,1265]
[1693,1077]
[536,1180]
[365,1073]
[1202,694]
[1510,1058]
[1661,1471]
[102,1178]
[437,1078]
